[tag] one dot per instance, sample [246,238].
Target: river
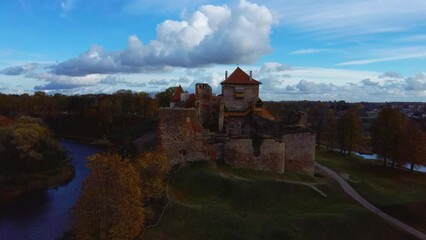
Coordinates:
[374,157]
[46,215]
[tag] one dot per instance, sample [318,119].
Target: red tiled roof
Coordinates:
[240,77]
[265,114]
[176,96]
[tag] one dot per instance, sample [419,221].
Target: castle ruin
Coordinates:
[235,127]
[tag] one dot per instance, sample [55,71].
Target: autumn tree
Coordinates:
[386,134]
[317,116]
[27,146]
[153,167]
[163,98]
[349,130]
[412,147]
[110,205]
[105,114]
[330,129]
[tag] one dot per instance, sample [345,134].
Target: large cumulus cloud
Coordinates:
[211,35]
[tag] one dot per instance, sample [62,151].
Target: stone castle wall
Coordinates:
[183,139]
[300,152]
[181,136]
[268,156]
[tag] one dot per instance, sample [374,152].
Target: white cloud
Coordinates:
[384,59]
[18,70]
[391,74]
[368,82]
[274,67]
[113,80]
[308,83]
[416,83]
[211,35]
[161,82]
[56,82]
[304,83]
[310,51]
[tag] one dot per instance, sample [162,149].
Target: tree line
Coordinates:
[117,116]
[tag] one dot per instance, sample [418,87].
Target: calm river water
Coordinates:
[374,157]
[46,215]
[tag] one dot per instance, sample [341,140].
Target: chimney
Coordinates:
[250,76]
[226,75]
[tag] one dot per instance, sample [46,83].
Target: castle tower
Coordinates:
[240,91]
[203,101]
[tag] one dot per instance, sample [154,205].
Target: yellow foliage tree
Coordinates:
[153,167]
[110,206]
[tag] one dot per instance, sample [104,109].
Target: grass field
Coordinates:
[395,191]
[215,201]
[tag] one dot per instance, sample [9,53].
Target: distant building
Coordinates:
[236,127]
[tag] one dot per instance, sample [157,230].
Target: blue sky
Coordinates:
[365,50]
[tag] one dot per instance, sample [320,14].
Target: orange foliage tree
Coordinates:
[412,147]
[110,206]
[153,167]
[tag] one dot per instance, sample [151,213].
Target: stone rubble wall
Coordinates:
[181,136]
[300,152]
[240,153]
[183,139]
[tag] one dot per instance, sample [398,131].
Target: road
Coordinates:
[355,195]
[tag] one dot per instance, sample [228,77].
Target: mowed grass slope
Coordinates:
[395,191]
[212,201]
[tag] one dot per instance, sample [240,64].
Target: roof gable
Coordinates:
[240,77]
[176,96]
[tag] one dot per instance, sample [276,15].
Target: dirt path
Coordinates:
[355,195]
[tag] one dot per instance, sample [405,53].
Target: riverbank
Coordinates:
[47,214]
[19,186]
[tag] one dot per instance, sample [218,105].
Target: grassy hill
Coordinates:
[395,191]
[215,201]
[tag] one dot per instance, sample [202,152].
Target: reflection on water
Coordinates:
[46,214]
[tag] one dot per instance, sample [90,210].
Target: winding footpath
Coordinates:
[355,195]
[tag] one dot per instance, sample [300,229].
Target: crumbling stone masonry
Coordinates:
[268,156]
[300,152]
[182,137]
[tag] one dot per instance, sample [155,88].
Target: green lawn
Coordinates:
[395,191]
[214,201]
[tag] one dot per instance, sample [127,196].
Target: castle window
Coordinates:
[239,95]
[239,92]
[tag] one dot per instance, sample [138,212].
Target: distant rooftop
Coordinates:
[240,77]
[176,96]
